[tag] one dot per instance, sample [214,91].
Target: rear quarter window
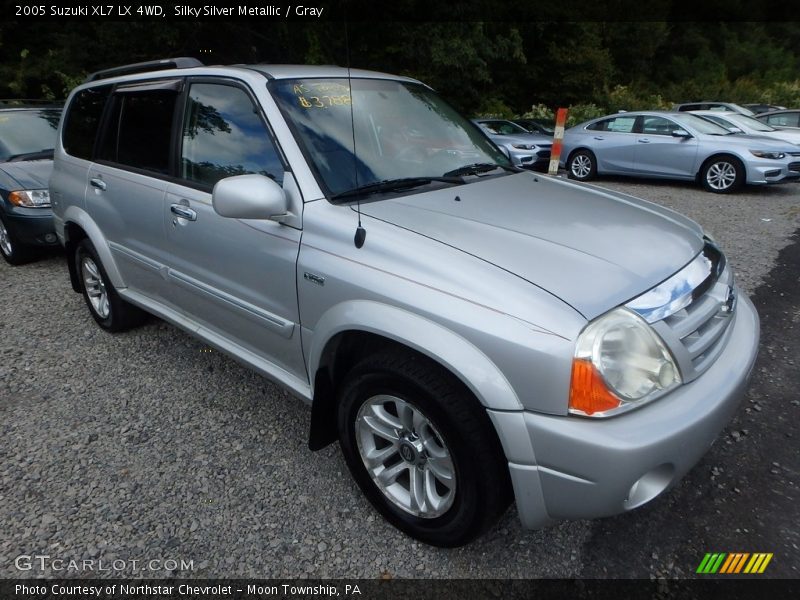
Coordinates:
[83,120]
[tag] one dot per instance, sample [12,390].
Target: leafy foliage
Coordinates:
[491,68]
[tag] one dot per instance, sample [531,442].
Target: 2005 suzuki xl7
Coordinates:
[471,333]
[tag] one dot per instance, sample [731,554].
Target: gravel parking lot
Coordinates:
[148,446]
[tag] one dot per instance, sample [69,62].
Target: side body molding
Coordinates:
[449,349]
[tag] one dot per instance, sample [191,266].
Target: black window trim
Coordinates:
[120,89]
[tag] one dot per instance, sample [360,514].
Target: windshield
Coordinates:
[401,131]
[27,132]
[504,127]
[751,123]
[700,124]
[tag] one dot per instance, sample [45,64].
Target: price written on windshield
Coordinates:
[323,95]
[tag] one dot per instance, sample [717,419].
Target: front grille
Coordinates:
[794,166]
[694,325]
[543,154]
[700,327]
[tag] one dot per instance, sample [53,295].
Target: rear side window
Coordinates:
[83,120]
[223,136]
[617,124]
[139,130]
[783,120]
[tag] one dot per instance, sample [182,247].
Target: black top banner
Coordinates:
[399,10]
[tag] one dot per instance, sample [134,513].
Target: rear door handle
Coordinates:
[98,183]
[183,212]
[597,137]
[643,141]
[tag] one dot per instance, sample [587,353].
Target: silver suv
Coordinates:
[469,332]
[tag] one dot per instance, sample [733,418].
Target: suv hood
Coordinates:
[591,248]
[28,174]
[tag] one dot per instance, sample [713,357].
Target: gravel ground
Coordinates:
[145,445]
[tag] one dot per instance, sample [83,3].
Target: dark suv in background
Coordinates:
[27,138]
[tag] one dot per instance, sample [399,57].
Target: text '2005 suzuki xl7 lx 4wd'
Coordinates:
[471,333]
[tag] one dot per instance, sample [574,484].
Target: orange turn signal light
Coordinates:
[588,393]
[18,199]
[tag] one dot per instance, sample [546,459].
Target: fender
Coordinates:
[449,349]
[75,214]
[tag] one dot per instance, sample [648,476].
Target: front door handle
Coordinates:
[98,183]
[184,212]
[643,141]
[597,137]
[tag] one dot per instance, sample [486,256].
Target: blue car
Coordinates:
[676,145]
[27,139]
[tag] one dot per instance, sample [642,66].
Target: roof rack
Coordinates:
[182,62]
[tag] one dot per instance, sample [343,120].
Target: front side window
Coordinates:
[224,136]
[83,120]
[139,130]
[27,132]
[658,126]
[362,131]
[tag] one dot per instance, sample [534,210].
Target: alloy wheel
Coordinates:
[405,456]
[721,175]
[95,287]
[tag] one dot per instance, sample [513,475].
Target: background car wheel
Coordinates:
[422,449]
[109,310]
[722,174]
[13,252]
[582,165]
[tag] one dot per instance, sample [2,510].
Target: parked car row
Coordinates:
[470,333]
[27,139]
[711,147]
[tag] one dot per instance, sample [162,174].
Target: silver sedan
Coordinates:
[673,145]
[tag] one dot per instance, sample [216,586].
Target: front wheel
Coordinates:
[722,174]
[422,449]
[582,165]
[12,250]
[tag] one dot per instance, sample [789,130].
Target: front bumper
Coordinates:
[575,468]
[529,159]
[765,171]
[31,226]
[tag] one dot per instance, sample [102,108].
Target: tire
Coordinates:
[444,442]
[110,311]
[12,251]
[582,165]
[722,174]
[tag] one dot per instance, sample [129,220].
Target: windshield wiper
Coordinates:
[393,185]
[39,155]
[476,168]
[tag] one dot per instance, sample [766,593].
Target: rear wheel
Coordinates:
[422,449]
[722,174]
[582,165]
[109,310]
[13,252]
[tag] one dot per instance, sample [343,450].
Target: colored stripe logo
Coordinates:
[734,563]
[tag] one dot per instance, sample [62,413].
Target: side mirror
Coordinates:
[735,130]
[249,197]
[681,133]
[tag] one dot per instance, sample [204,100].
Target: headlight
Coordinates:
[619,363]
[767,154]
[30,198]
[524,146]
